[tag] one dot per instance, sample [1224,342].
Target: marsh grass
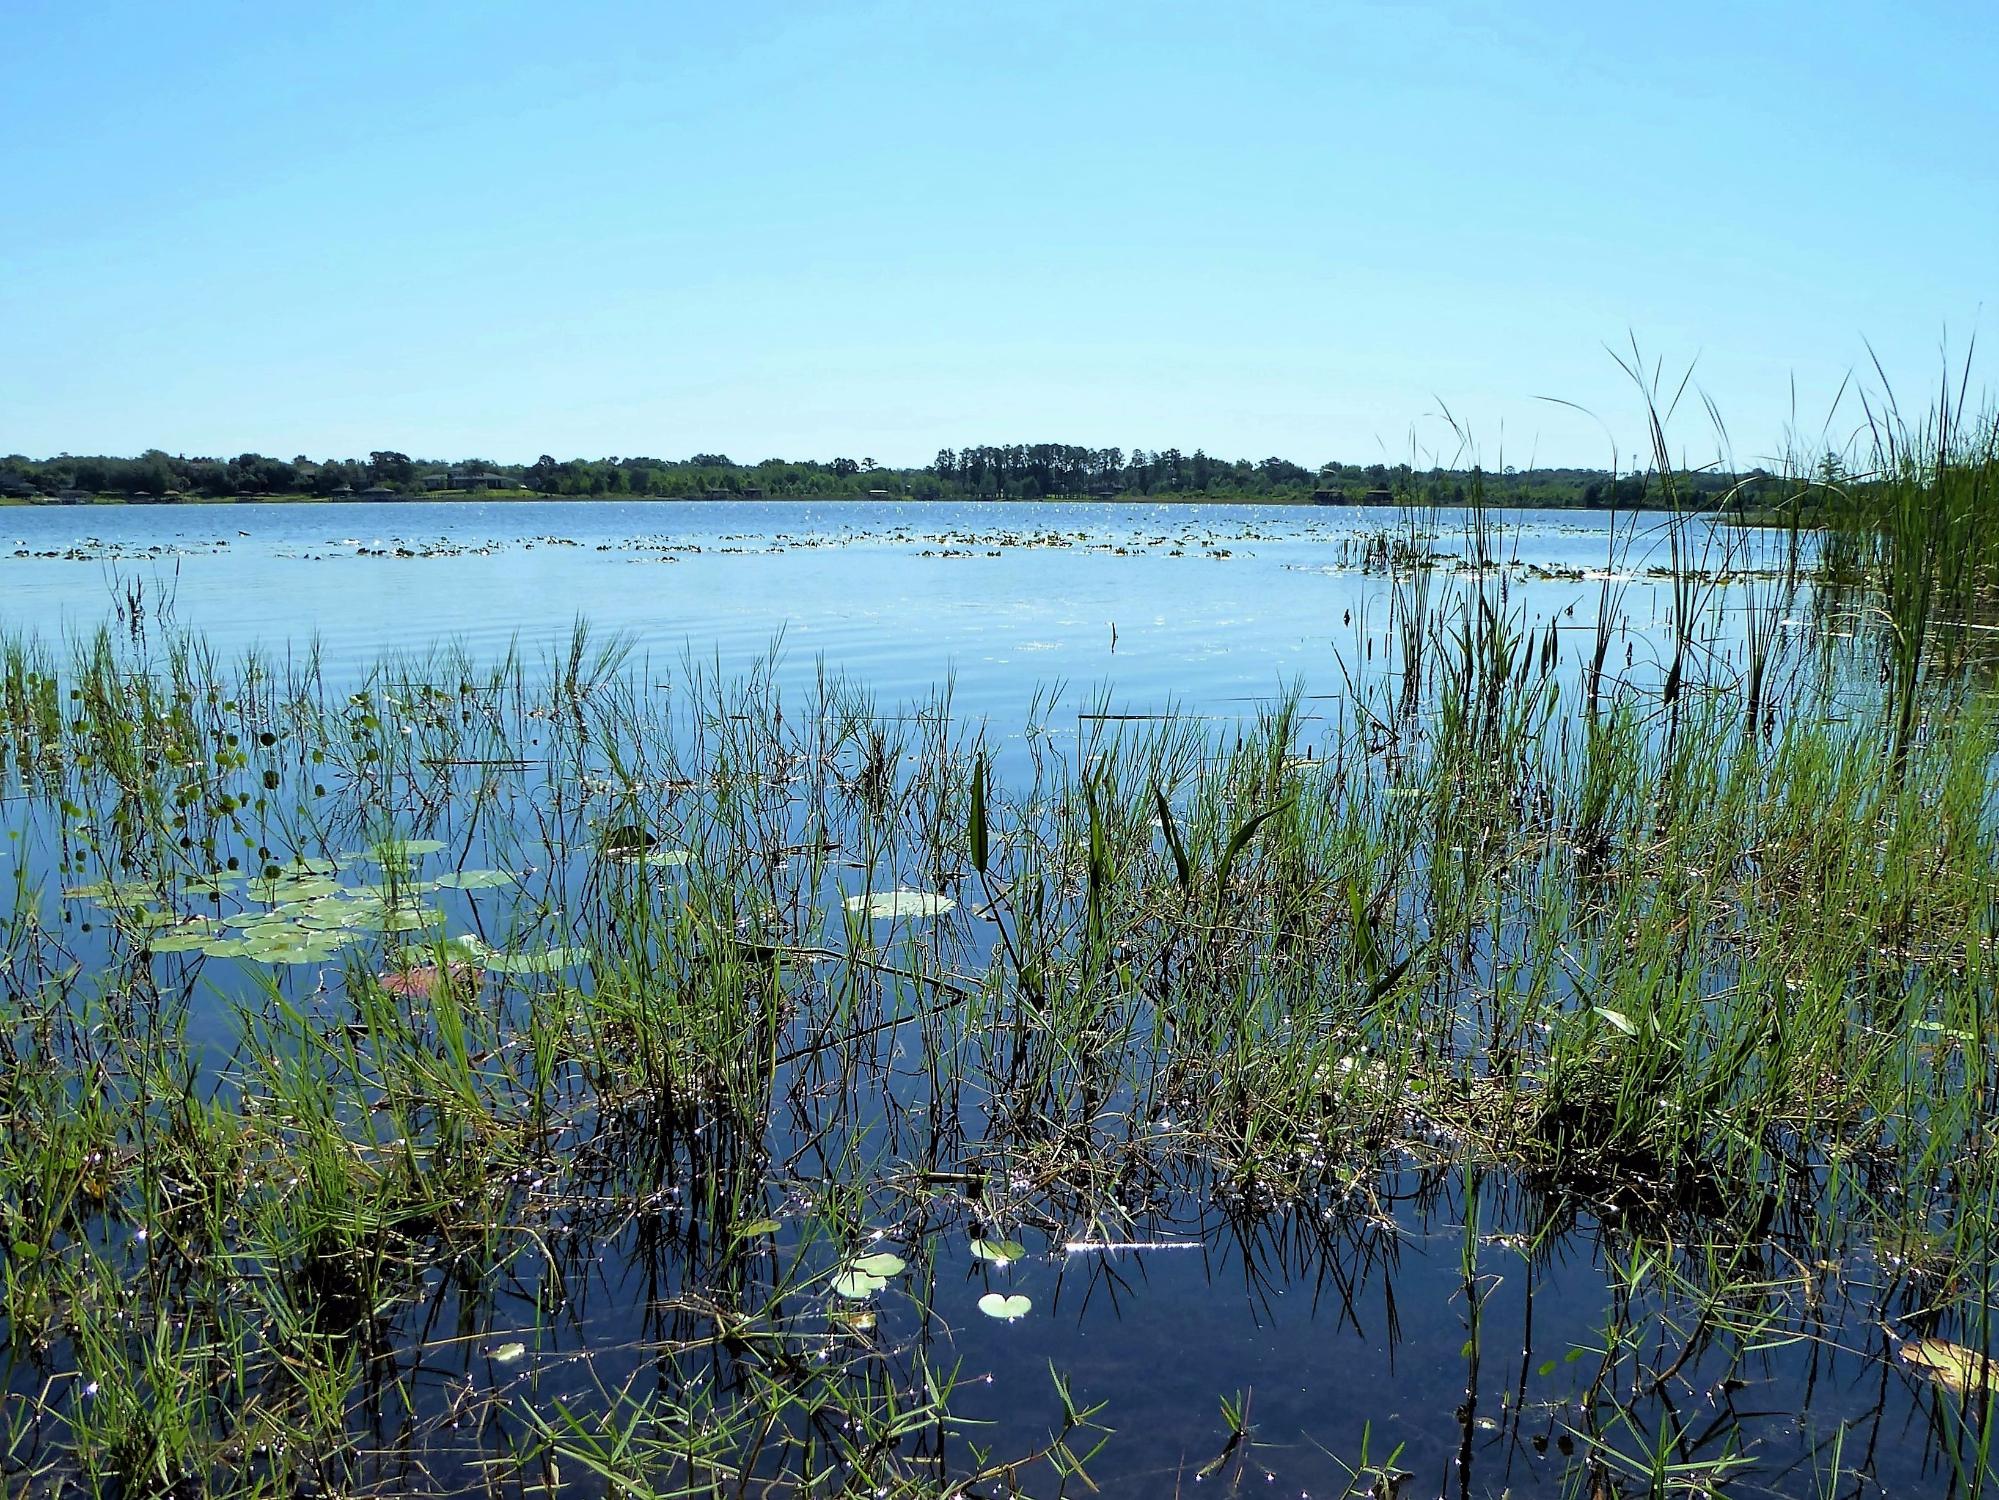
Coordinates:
[584,1160]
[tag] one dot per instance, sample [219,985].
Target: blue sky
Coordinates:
[874,229]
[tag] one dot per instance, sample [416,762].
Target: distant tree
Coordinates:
[389,467]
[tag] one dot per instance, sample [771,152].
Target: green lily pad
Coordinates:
[1950,1365]
[1010,1308]
[554,961]
[508,1353]
[112,892]
[867,1274]
[340,916]
[857,1285]
[901,903]
[404,919]
[290,888]
[188,938]
[473,880]
[999,1252]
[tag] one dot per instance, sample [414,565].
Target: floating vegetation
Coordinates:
[883,905]
[867,1274]
[1007,1307]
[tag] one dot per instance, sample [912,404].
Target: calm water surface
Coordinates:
[1203,606]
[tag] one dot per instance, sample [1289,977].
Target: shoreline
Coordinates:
[522,497]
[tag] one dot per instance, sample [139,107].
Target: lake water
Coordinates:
[1341,1318]
[1204,607]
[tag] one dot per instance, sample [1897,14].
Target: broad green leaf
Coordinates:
[1007,1308]
[857,1285]
[1950,1365]
[473,880]
[881,1263]
[886,904]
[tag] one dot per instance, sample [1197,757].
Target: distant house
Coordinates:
[466,479]
[751,492]
[75,497]
[1378,497]
[1329,497]
[341,492]
[378,492]
[16,486]
[434,481]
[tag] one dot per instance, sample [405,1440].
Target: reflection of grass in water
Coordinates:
[748,1000]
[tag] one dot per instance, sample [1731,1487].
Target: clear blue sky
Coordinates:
[873,229]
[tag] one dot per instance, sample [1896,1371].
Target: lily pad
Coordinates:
[406,919]
[1010,1308]
[999,1252]
[399,851]
[1952,1366]
[554,961]
[867,1274]
[857,1285]
[881,1264]
[291,888]
[901,903]
[187,938]
[112,892]
[506,1354]
[473,880]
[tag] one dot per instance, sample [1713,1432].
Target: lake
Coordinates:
[1212,605]
[1402,1312]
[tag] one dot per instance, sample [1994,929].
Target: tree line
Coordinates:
[1018,471]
